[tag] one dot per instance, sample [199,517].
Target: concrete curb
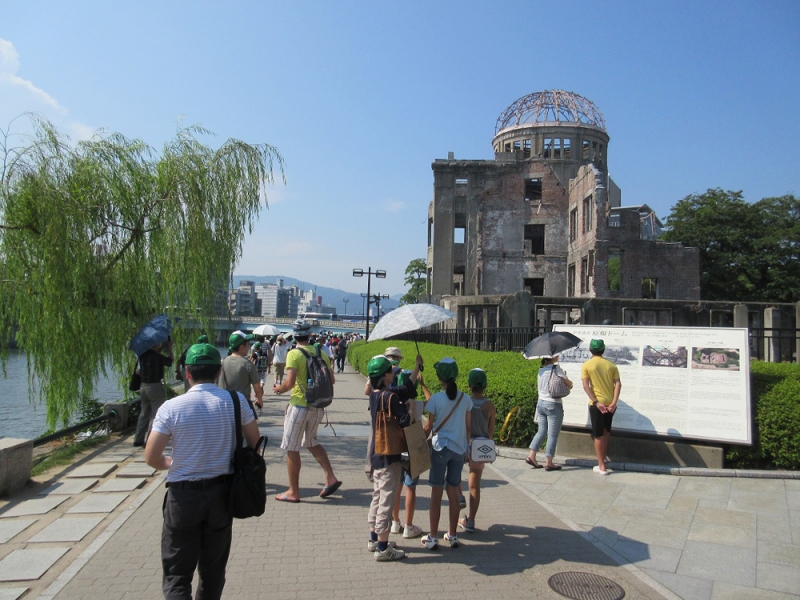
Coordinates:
[521,453]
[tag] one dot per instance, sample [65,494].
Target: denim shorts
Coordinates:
[446,465]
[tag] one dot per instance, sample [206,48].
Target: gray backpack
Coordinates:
[319,392]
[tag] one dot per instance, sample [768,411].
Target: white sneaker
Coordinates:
[431,543]
[373,546]
[452,540]
[391,553]
[596,469]
[396,527]
[412,531]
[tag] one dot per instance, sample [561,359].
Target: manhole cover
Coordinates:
[585,586]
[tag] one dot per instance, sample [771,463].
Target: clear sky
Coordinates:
[361,97]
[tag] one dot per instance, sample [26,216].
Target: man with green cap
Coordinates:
[197,523]
[180,373]
[238,373]
[601,383]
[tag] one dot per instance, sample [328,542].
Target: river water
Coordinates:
[23,415]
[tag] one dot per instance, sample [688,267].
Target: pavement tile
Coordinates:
[728,591]
[779,578]
[11,527]
[693,588]
[92,469]
[649,556]
[69,487]
[136,470]
[67,529]
[683,503]
[793,500]
[779,554]
[731,518]
[722,534]
[644,498]
[23,565]
[121,484]
[37,506]
[647,532]
[759,502]
[718,562]
[98,503]
[12,593]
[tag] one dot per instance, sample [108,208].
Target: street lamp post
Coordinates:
[380,274]
[345,300]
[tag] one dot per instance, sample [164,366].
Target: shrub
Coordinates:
[512,378]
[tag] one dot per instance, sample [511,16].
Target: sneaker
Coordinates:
[462,502]
[596,469]
[431,543]
[396,527]
[467,525]
[412,531]
[373,546]
[391,553]
[452,540]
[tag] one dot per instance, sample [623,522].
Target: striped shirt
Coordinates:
[201,425]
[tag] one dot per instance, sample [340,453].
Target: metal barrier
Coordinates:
[80,426]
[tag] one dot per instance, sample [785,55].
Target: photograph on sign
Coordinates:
[679,382]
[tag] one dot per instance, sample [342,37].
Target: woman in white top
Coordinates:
[549,415]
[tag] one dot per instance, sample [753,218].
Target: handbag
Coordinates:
[389,437]
[248,494]
[556,386]
[135,383]
[482,450]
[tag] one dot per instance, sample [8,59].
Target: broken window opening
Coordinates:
[600,154]
[649,287]
[533,189]
[507,147]
[534,239]
[534,286]
[584,274]
[613,220]
[588,210]
[585,149]
[430,232]
[567,148]
[526,148]
[548,147]
[591,263]
[573,225]
[571,280]
[614,270]
[458,281]
[517,146]
[594,151]
[459,234]
[557,148]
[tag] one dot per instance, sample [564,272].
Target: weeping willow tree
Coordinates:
[98,237]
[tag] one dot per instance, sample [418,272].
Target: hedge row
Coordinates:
[775,397]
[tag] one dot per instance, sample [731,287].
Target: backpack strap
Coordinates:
[237,417]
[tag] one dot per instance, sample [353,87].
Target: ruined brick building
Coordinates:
[545,217]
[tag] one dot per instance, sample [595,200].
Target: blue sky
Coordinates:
[361,97]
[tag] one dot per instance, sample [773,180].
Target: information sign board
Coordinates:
[678,382]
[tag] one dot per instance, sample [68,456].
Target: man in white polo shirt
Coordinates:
[197,524]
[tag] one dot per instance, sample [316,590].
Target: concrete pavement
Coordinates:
[655,535]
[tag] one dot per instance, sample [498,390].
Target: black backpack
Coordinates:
[319,392]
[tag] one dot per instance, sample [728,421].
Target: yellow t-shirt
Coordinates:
[602,373]
[297,360]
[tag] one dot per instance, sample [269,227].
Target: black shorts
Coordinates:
[601,422]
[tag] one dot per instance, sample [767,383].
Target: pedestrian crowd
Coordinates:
[459,425]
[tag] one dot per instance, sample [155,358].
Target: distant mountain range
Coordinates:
[330,296]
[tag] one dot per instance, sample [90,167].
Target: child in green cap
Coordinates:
[483,423]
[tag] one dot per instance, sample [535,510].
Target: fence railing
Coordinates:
[771,345]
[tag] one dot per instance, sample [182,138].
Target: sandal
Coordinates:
[533,464]
[464,524]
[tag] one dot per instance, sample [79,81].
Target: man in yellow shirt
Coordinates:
[601,383]
[301,421]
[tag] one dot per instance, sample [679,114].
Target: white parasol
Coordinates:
[266,330]
[409,317]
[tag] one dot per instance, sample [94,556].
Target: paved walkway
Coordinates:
[654,535]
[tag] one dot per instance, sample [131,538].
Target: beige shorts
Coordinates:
[300,427]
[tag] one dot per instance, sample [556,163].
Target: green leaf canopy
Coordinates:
[98,237]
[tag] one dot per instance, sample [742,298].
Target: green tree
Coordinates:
[415,277]
[98,237]
[748,252]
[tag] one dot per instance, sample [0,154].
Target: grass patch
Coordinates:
[65,455]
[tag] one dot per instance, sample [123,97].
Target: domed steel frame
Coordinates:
[551,107]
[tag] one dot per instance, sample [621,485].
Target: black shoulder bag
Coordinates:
[248,496]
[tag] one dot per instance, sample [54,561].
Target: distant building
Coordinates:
[277,301]
[545,217]
[242,300]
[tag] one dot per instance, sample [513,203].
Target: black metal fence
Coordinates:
[772,345]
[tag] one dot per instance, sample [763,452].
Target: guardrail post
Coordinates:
[119,412]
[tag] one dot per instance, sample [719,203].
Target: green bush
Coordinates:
[512,379]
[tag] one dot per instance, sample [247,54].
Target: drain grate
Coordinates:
[585,586]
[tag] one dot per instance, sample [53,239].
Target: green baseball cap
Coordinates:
[378,366]
[403,376]
[238,338]
[597,346]
[446,369]
[256,345]
[203,354]
[203,339]
[477,379]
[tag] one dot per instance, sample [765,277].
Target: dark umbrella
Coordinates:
[550,344]
[155,332]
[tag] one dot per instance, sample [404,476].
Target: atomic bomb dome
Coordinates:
[551,107]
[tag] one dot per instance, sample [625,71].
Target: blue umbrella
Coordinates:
[155,332]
